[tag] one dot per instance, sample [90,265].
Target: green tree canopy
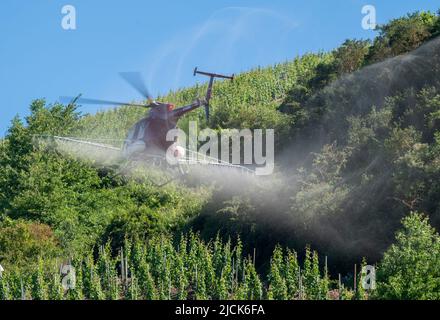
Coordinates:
[410,268]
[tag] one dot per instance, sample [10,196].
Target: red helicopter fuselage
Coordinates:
[149,134]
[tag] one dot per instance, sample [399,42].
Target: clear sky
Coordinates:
[164,40]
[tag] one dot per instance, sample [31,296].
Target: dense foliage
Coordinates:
[410,267]
[188,269]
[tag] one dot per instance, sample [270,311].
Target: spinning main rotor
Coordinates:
[135,80]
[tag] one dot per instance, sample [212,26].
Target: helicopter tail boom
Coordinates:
[185,109]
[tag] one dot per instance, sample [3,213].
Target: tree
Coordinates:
[436,28]
[4,288]
[106,270]
[133,288]
[221,288]
[292,274]
[56,290]
[146,282]
[402,35]
[325,73]
[312,276]
[91,278]
[410,267]
[39,289]
[350,56]
[255,287]
[22,243]
[277,288]
[180,270]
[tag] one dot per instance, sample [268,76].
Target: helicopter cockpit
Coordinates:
[134,142]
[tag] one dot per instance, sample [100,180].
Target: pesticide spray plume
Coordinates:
[101,154]
[332,217]
[95,151]
[353,95]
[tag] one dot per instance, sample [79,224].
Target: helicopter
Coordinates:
[146,139]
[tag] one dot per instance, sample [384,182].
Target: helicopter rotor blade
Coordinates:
[101,102]
[136,81]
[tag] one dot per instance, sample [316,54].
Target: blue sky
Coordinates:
[164,40]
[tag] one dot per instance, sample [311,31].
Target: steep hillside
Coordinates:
[251,101]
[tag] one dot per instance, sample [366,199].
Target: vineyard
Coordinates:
[356,183]
[183,268]
[157,269]
[251,101]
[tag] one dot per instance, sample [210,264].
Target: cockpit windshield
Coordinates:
[137,131]
[130,135]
